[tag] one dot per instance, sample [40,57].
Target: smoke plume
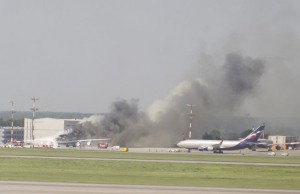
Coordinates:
[215,97]
[231,92]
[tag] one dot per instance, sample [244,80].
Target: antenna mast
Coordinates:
[33,109]
[12,122]
[191,119]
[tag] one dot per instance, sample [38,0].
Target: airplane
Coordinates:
[52,142]
[269,145]
[217,146]
[262,143]
[103,143]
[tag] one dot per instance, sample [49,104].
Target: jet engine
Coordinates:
[205,148]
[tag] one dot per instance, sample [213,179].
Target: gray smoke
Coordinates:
[216,97]
[124,123]
[231,92]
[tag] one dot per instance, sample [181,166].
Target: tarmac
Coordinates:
[259,152]
[157,161]
[14,187]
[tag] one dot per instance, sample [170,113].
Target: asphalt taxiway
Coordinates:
[150,160]
[14,187]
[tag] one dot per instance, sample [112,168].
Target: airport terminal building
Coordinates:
[44,130]
[18,134]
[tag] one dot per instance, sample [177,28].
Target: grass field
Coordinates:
[148,173]
[154,156]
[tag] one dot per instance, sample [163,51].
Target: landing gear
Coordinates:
[218,152]
[189,150]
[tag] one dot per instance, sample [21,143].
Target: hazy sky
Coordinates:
[82,55]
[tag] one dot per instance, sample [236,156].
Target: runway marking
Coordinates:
[15,187]
[160,161]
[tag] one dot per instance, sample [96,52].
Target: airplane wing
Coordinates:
[90,140]
[262,143]
[65,142]
[77,143]
[293,143]
[218,146]
[85,140]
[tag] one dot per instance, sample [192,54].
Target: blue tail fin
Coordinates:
[254,135]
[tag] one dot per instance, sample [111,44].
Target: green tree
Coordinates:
[214,134]
[245,133]
[17,122]
[206,136]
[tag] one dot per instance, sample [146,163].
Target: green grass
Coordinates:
[148,173]
[154,156]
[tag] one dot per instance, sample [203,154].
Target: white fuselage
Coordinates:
[196,144]
[219,145]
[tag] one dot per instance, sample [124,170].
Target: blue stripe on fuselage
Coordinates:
[248,141]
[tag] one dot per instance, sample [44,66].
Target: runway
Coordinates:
[149,160]
[13,187]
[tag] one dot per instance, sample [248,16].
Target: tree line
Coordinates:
[216,134]
[17,122]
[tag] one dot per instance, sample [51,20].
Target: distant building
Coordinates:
[283,139]
[285,142]
[46,130]
[18,134]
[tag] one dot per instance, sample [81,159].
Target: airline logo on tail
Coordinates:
[250,139]
[253,137]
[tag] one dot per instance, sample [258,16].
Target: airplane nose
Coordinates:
[179,144]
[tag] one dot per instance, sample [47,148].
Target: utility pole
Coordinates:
[12,123]
[33,109]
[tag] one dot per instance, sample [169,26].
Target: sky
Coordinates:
[80,56]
